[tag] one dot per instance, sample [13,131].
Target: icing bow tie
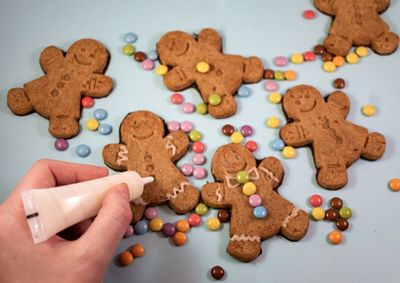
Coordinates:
[233,183]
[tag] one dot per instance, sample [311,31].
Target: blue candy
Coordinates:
[100,114]
[152,55]
[104,129]
[141,227]
[277,144]
[243,91]
[130,37]
[260,212]
[83,150]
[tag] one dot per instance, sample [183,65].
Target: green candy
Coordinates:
[128,49]
[201,209]
[279,75]
[201,108]
[195,135]
[345,212]
[214,99]
[242,177]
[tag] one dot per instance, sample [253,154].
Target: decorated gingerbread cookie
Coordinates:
[57,95]
[199,61]
[249,190]
[146,149]
[322,124]
[357,22]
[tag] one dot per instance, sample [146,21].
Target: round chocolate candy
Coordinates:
[224,215]
[319,49]
[228,130]
[217,272]
[339,83]
[336,203]
[342,224]
[269,74]
[332,214]
[327,57]
[140,56]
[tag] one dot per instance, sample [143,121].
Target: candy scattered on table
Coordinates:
[290,75]
[271,86]
[251,145]
[198,147]
[199,173]
[201,209]
[329,67]
[309,14]
[342,224]
[150,213]
[327,57]
[278,144]
[316,200]
[236,137]
[187,169]
[161,70]
[335,237]
[194,220]
[130,37]
[362,51]
[281,61]
[224,215]
[140,56]
[228,130]
[289,152]
[179,239]
[129,232]
[339,83]
[368,110]
[176,98]
[173,126]
[83,150]
[217,272]
[243,91]
[319,49]
[352,58]
[195,135]
[147,64]
[213,224]
[128,49]
[125,258]
[273,122]
[87,102]
[394,184]
[137,250]
[309,56]
[168,229]
[152,55]
[182,226]
[100,114]
[105,129]
[201,108]
[188,107]
[318,213]
[331,214]
[345,213]
[198,159]
[214,99]
[269,74]
[156,224]
[141,227]
[275,97]
[297,58]
[92,124]
[61,144]
[339,61]
[186,126]
[336,203]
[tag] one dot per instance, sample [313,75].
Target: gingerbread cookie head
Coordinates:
[357,23]
[90,54]
[198,61]
[336,143]
[141,125]
[248,188]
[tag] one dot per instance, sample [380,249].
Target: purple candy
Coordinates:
[169,229]
[173,126]
[187,169]
[61,144]
[246,130]
[198,159]
[199,173]
[186,126]
[188,108]
[129,232]
[150,213]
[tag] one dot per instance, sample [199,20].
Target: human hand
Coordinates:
[58,260]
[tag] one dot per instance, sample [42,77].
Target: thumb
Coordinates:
[111,222]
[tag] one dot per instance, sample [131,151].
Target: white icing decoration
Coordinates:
[122,154]
[242,237]
[218,193]
[176,191]
[140,201]
[235,184]
[269,174]
[292,214]
[170,145]
[229,178]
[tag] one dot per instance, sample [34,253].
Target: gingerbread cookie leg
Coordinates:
[226,108]
[337,45]
[19,102]
[63,126]
[244,247]
[332,176]
[375,146]
[295,225]
[385,43]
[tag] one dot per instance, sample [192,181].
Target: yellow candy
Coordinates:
[213,224]
[290,75]
[275,97]
[236,137]
[289,152]
[161,70]
[362,51]
[318,213]
[202,67]
[368,110]
[273,122]
[92,124]
[352,58]
[339,61]
[329,67]
[156,224]
[128,49]
[297,58]
[249,188]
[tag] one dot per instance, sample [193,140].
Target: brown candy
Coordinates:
[217,272]
[269,74]
[228,130]
[319,49]
[327,57]
[331,214]
[339,83]
[224,215]
[140,56]
[342,224]
[336,203]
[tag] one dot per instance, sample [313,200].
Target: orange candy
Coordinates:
[335,237]
[137,250]
[182,226]
[339,61]
[179,238]
[125,258]
[394,184]
[290,75]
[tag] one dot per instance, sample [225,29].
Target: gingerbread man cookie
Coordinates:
[200,62]
[336,143]
[357,22]
[262,213]
[57,95]
[146,149]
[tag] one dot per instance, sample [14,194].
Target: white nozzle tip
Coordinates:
[147,180]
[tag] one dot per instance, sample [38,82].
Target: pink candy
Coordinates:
[246,130]
[186,126]
[255,200]
[271,86]
[188,108]
[187,169]
[281,61]
[150,213]
[173,126]
[148,64]
[198,159]
[129,232]
[199,173]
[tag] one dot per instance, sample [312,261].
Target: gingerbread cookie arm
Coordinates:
[381,5]
[116,156]
[216,195]
[51,58]
[253,70]
[177,79]
[176,143]
[273,171]
[18,101]
[211,38]
[340,102]
[295,134]
[326,6]
[97,85]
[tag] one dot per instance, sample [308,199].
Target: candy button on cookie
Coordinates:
[236,137]
[368,110]
[255,200]
[201,209]
[249,188]
[214,99]
[182,226]
[92,124]
[260,212]
[128,49]
[273,122]
[194,220]
[329,67]
[394,184]
[251,145]
[61,144]
[125,258]
[179,239]
[150,213]
[161,70]
[201,108]
[243,91]
[317,213]
[316,200]
[130,37]
[242,177]
[195,136]
[202,67]
[213,224]
[352,58]
[345,212]
[156,224]
[176,98]
[137,250]
[274,97]
[289,152]
[362,51]
[297,58]
[83,150]
[335,237]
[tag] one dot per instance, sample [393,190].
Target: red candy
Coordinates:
[309,56]
[316,200]
[194,220]
[251,145]
[309,14]
[198,147]
[87,102]
[177,98]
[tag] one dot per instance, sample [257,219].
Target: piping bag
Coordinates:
[49,211]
